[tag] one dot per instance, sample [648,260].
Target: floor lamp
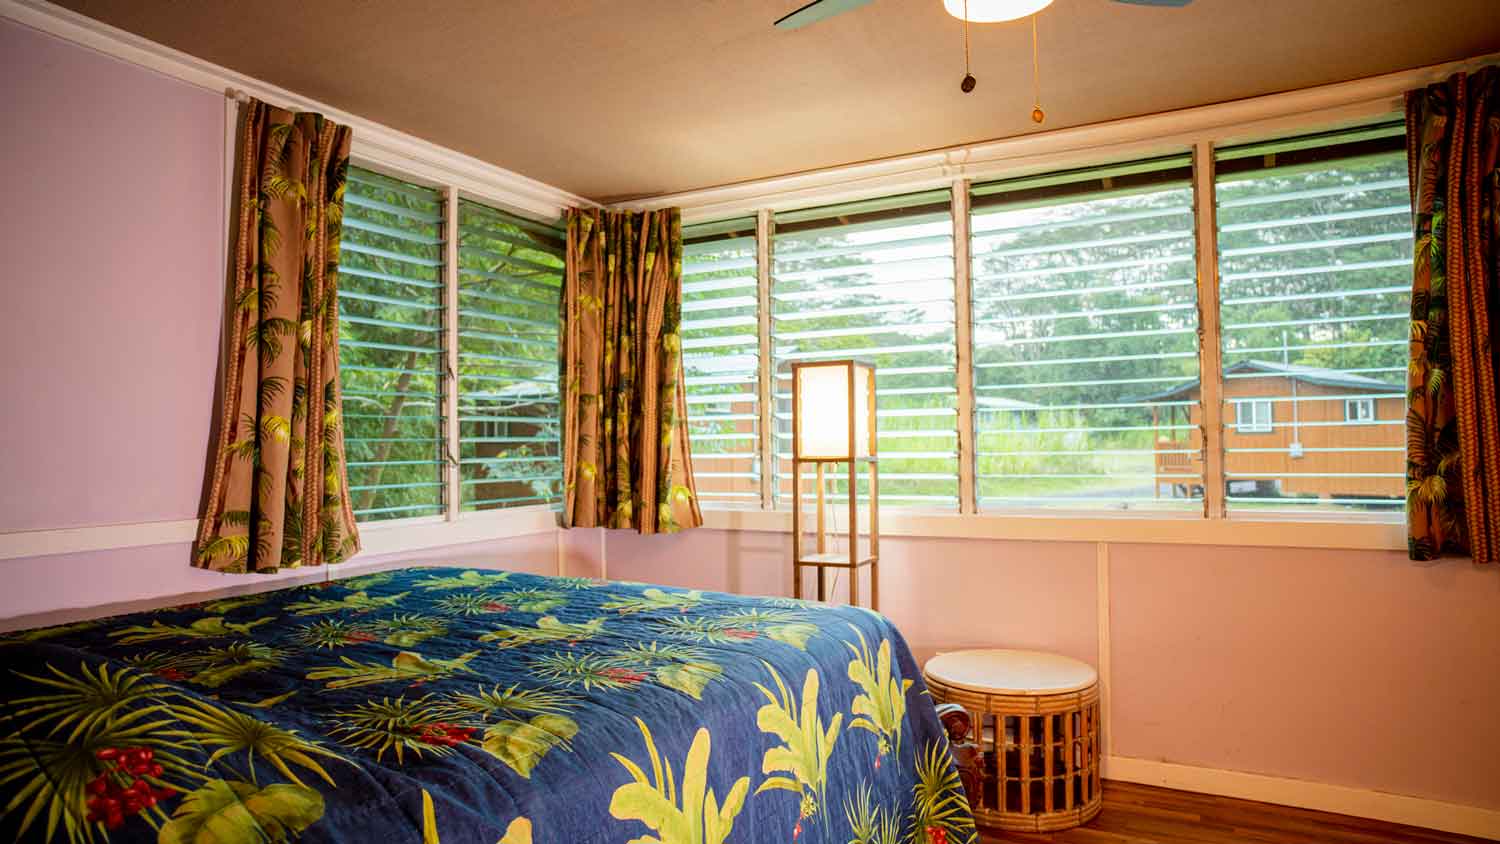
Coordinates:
[833,422]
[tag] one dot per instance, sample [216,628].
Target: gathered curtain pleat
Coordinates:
[626,459]
[1453,434]
[277,493]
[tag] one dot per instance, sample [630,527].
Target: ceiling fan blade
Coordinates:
[1174,4]
[815,11]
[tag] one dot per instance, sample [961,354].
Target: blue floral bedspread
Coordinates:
[438,704]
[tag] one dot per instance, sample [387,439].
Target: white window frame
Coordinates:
[1215,525]
[1254,425]
[1353,416]
[454,525]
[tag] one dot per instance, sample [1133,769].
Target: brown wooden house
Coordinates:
[724,452]
[515,457]
[1290,431]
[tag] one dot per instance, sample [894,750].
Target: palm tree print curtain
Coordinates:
[277,496]
[1453,434]
[625,443]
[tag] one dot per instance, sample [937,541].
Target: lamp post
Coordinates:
[833,421]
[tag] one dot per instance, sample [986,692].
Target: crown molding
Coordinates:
[374,144]
[1307,109]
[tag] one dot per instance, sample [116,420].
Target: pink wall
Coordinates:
[1352,668]
[535,553]
[943,593]
[1356,668]
[582,552]
[113,283]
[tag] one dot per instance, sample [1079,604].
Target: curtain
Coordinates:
[626,462]
[277,492]
[1453,436]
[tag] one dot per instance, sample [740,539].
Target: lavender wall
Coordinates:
[111,231]
[1351,668]
[111,227]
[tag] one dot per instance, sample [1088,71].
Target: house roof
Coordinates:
[1306,374]
[1002,403]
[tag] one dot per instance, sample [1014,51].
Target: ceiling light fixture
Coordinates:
[993,11]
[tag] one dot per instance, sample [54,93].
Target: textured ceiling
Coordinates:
[626,98]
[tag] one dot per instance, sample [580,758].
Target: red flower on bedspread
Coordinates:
[624,675]
[122,789]
[444,734]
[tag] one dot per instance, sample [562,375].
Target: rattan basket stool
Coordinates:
[1036,720]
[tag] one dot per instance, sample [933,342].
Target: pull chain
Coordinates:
[1037,115]
[969,81]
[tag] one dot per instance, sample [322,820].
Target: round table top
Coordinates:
[1011,672]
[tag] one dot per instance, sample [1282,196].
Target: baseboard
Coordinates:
[1393,808]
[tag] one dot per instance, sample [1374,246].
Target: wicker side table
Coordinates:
[1035,717]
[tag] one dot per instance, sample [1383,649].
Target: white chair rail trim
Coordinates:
[392,537]
[399,535]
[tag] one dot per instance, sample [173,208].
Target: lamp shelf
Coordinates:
[840,561]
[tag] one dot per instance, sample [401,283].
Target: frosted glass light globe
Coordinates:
[994,11]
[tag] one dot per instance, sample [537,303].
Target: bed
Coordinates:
[468,705]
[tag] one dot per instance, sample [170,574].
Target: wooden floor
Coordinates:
[1138,814]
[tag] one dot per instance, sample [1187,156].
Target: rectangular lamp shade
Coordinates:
[823,405]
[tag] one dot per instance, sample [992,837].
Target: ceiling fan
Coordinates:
[968,11]
[980,11]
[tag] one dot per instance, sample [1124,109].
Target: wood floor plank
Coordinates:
[1143,814]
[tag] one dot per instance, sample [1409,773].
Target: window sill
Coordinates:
[1300,531]
[402,535]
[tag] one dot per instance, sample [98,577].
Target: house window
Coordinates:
[391,346]
[1253,417]
[874,280]
[510,273]
[1085,339]
[402,402]
[1315,252]
[1360,411]
[1080,385]
[721,359]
